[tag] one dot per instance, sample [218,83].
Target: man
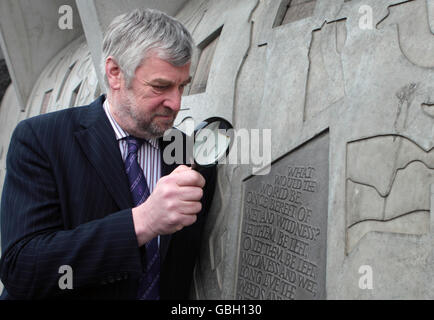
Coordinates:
[88,191]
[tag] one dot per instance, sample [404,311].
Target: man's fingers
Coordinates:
[190,208]
[181,168]
[187,221]
[191,194]
[190,178]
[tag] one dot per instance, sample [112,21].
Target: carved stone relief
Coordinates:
[282,252]
[325,82]
[68,81]
[223,44]
[294,10]
[388,183]
[415,37]
[201,74]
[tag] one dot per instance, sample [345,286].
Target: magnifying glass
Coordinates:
[213,139]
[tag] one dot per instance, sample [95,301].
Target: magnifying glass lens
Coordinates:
[212,141]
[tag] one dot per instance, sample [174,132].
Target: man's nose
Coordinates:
[173,99]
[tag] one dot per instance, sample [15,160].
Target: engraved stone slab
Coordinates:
[282,252]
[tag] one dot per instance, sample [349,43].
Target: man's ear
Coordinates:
[113,73]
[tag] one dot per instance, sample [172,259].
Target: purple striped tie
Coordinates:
[149,283]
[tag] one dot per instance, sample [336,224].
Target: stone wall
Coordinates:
[360,74]
[5,79]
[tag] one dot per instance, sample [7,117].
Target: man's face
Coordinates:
[149,107]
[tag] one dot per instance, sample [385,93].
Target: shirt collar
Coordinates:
[121,133]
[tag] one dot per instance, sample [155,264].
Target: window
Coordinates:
[294,10]
[46,101]
[207,50]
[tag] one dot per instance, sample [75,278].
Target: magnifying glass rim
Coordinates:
[212,119]
[228,126]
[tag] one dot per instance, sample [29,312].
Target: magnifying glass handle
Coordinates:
[194,165]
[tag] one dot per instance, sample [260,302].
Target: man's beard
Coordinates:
[156,130]
[146,126]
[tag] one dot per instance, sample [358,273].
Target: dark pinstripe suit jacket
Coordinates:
[66,201]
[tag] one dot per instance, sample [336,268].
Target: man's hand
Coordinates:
[173,205]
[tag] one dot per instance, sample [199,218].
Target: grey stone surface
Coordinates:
[29,46]
[5,78]
[230,54]
[282,252]
[10,114]
[372,88]
[68,80]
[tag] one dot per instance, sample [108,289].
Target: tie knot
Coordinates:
[133,144]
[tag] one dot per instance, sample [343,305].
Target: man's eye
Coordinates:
[160,88]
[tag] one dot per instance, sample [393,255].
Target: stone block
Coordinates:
[282,251]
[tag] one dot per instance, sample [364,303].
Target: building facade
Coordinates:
[343,207]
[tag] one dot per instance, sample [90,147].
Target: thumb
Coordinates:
[181,168]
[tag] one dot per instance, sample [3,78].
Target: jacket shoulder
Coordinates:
[57,118]
[62,120]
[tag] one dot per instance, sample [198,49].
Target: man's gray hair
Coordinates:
[132,36]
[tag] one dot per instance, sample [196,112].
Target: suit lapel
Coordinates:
[98,142]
